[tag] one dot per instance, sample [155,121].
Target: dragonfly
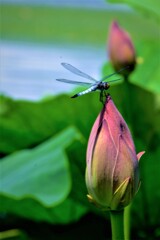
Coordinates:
[92,86]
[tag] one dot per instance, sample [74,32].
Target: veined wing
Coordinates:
[77,71]
[110,75]
[74,82]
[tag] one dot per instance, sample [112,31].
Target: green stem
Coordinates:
[117,224]
[127,222]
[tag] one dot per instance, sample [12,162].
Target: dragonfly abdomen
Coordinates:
[91,89]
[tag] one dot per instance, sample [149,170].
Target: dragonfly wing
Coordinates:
[73,82]
[110,75]
[77,71]
[115,80]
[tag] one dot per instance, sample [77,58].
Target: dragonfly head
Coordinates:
[106,85]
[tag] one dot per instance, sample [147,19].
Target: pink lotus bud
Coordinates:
[121,50]
[112,173]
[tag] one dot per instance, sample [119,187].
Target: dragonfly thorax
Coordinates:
[103,86]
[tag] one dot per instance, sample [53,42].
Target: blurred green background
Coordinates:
[43,142]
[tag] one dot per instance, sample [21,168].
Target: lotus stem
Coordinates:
[127,222]
[117,224]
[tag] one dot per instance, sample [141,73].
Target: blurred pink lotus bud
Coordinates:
[112,173]
[121,50]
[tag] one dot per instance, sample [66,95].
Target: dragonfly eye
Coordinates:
[106,86]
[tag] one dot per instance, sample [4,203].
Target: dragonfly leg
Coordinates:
[102,97]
